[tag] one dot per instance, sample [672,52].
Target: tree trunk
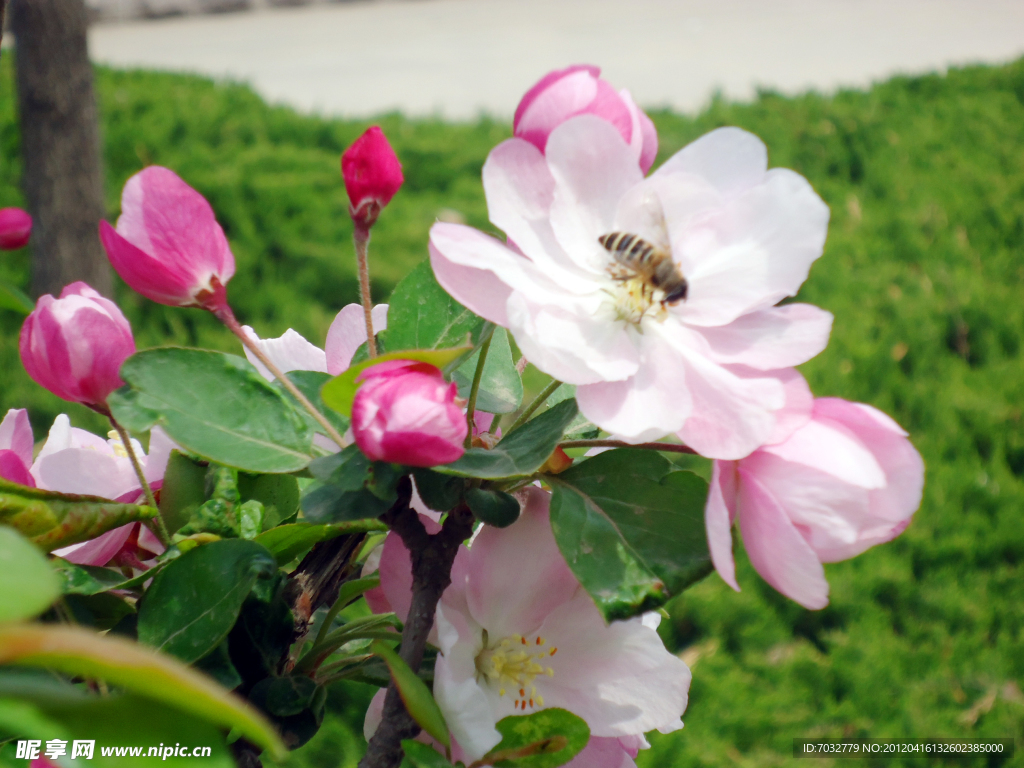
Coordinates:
[63,178]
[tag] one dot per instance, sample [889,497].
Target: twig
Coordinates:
[361,238]
[158,527]
[432,558]
[667,447]
[475,390]
[226,316]
[538,401]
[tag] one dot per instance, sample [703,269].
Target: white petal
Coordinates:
[348,332]
[85,471]
[719,513]
[58,439]
[778,337]
[593,168]
[617,677]
[729,158]
[16,435]
[289,352]
[160,447]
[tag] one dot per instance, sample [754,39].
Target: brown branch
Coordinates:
[667,447]
[432,558]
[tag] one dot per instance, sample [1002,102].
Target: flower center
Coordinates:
[633,297]
[117,444]
[513,664]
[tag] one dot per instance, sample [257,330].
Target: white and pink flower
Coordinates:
[76,461]
[518,633]
[743,236]
[843,479]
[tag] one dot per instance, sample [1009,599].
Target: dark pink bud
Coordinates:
[405,413]
[168,246]
[579,90]
[15,228]
[74,345]
[372,176]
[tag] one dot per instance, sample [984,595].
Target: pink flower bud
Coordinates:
[168,246]
[15,228]
[372,176]
[579,90]
[405,413]
[74,345]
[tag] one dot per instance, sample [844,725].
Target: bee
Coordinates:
[653,265]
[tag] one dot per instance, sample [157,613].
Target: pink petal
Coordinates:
[778,337]
[471,279]
[776,549]
[517,576]
[799,405]
[618,677]
[732,415]
[831,448]
[160,447]
[653,402]
[98,551]
[602,752]
[719,514]
[289,352]
[168,219]
[646,136]
[348,332]
[14,469]
[85,471]
[16,434]
[145,274]
[557,96]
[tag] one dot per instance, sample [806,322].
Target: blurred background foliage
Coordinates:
[923,269]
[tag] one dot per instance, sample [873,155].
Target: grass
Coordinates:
[923,269]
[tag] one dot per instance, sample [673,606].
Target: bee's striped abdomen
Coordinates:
[627,248]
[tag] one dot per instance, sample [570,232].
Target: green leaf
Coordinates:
[493,507]
[217,664]
[419,701]
[283,696]
[14,299]
[101,611]
[353,487]
[544,739]
[183,491]
[521,452]
[264,631]
[30,584]
[286,542]
[501,387]
[279,495]
[250,519]
[81,653]
[53,520]
[92,580]
[423,756]
[193,603]
[421,315]
[340,392]
[439,492]
[215,405]
[630,528]
[580,427]
[310,383]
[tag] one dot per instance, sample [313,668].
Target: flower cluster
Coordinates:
[658,305]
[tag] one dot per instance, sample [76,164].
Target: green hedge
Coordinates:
[923,269]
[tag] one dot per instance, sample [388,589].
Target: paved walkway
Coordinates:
[458,58]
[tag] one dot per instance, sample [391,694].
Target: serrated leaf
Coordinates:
[30,584]
[352,487]
[521,452]
[419,701]
[286,542]
[80,653]
[340,392]
[216,405]
[545,739]
[421,315]
[631,529]
[501,387]
[53,520]
[194,601]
